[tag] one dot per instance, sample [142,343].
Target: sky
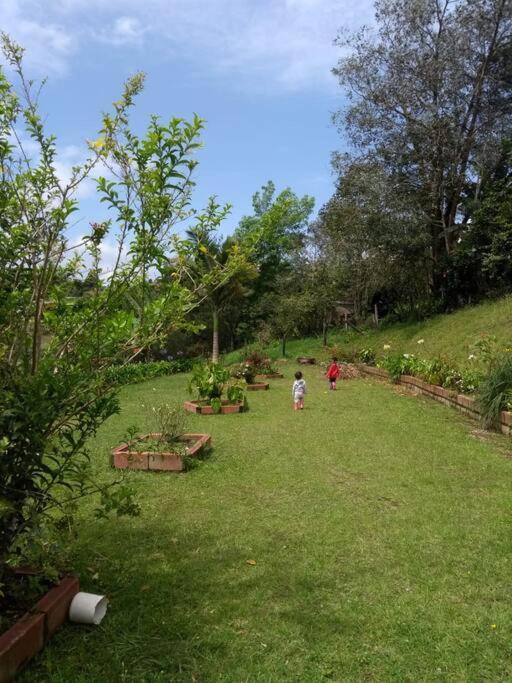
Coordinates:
[258,71]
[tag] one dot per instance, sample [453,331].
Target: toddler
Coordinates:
[333,372]
[298,391]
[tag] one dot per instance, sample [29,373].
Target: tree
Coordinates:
[429,97]
[222,268]
[277,228]
[55,395]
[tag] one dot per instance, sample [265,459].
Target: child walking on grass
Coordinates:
[333,372]
[298,391]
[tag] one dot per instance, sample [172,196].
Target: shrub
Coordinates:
[140,372]
[208,380]
[366,355]
[495,391]
[398,364]
[246,372]
[170,421]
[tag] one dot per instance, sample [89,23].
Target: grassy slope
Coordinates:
[380,528]
[450,336]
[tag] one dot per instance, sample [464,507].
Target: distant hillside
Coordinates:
[451,336]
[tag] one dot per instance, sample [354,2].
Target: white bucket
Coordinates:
[87,608]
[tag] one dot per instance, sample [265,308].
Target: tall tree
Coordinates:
[222,267]
[429,97]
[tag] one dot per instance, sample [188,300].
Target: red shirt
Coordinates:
[333,372]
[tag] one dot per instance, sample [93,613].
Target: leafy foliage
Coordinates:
[495,392]
[208,380]
[58,349]
[434,371]
[140,372]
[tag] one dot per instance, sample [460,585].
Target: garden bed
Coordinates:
[466,404]
[125,457]
[202,408]
[34,629]
[258,386]
[271,375]
[306,360]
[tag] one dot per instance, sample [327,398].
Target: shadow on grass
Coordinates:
[188,608]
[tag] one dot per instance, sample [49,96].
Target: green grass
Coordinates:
[380,527]
[450,336]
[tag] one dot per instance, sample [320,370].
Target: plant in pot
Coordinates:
[165,446]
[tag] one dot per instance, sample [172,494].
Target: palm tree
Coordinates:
[222,267]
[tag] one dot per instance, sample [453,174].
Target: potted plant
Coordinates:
[210,382]
[166,446]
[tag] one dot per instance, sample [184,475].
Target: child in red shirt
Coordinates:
[333,372]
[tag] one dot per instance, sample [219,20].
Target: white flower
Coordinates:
[471,356]
[386,347]
[406,355]
[421,341]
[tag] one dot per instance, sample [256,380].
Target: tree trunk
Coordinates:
[215,340]
[283,345]
[324,332]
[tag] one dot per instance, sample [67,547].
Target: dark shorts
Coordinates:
[333,379]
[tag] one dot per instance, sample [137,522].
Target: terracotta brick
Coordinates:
[123,459]
[55,604]
[258,386]
[506,417]
[19,644]
[192,407]
[166,462]
[467,402]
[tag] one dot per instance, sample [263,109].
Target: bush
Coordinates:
[495,391]
[208,380]
[255,357]
[140,372]
[434,371]
[367,356]
[170,421]
[246,372]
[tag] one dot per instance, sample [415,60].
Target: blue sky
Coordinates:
[257,70]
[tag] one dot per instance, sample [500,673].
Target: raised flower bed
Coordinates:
[211,382]
[271,375]
[306,360]
[34,629]
[258,386]
[463,403]
[204,408]
[127,456]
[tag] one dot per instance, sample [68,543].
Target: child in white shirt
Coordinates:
[298,391]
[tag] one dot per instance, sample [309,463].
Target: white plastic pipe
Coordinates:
[87,608]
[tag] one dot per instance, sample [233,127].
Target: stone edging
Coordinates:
[466,404]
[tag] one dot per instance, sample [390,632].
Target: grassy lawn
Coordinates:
[380,528]
[451,336]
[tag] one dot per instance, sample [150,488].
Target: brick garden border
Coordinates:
[201,409]
[463,403]
[124,458]
[257,386]
[33,630]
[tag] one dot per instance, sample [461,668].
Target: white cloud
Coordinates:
[123,31]
[284,43]
[48,44]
